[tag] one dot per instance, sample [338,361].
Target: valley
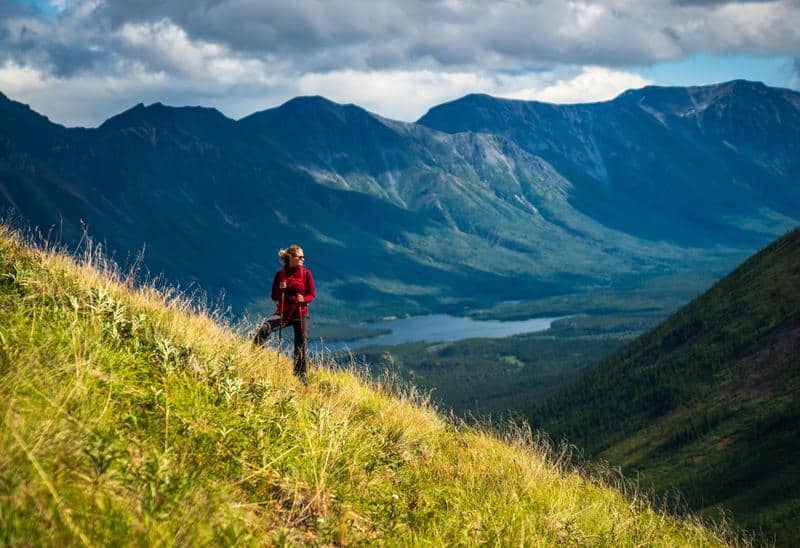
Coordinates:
[610,216]
[501,377]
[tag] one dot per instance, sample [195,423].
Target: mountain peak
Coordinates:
[157,114]
[314,101]
[717,89]
[481,112]
[469,101]
[22,122]
[473,100]
[311,111]
[692,100]
[308,106]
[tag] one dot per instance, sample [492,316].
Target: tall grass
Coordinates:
[128,415]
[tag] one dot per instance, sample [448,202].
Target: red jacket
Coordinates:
[298,282]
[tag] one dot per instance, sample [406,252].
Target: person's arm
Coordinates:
[276,286]
[311,291]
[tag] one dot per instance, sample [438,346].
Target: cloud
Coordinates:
[591,85]
[397,58]
[400,95]
[407,95]
[84,101]
[320,36]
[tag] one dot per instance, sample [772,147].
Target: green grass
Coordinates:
[127,417]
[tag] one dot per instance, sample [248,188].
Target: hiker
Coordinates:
[293,289]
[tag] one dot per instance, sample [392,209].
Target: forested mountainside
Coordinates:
[707,402]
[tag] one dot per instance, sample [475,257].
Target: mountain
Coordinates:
[396,218]
[695,166]
[129,419]
[707,402]
[210,206]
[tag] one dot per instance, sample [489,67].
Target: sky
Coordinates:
[81,61]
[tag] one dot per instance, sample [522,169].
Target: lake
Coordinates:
[436,328]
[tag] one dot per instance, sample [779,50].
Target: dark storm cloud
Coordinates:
[450,34]
[444,34]
[318,36]
[30,37]
[302,26]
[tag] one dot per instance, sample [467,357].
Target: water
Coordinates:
[436,328]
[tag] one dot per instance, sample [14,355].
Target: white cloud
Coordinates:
[167,47]
[16,80]
[592,84]
[84,100]
[313,36]
[397,94]
[407,95]
[762,28]
[153,62]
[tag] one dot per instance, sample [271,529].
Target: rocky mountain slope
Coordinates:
[692,165]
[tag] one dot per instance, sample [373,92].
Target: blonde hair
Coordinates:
[285,254]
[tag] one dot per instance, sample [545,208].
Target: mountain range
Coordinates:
[482,200]
[685,165]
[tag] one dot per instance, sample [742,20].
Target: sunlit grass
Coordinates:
[130,416]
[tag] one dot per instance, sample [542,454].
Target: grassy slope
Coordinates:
[126,418]
[707,402]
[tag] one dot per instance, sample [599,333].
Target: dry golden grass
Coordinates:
[129,416]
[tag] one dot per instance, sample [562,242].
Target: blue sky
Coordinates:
[701,68]
[48,9]
[82,61]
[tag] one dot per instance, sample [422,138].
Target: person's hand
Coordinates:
[301,299]
[282,285]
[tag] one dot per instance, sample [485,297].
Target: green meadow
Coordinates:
[130,416]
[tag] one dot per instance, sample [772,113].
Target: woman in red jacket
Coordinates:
[293,289]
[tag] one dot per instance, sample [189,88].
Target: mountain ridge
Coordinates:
[188,182]
[624,159]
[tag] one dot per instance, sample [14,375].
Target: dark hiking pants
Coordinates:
[300,327]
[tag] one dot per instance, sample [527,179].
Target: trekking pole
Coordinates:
[280,325]
[304,348]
